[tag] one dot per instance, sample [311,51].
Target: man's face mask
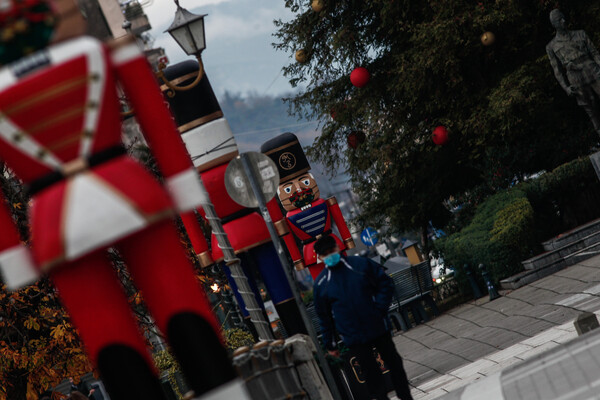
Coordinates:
[332,259]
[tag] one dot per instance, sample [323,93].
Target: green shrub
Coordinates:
[508,226]
[499,236]
[513,223]
[564,198]
[236,338]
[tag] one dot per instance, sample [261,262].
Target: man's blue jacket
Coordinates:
[354,296]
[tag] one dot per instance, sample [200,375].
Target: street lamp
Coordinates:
[188,31]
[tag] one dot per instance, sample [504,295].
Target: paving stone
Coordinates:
[566,337]
[434,395]
[426,335]
[499,339]
[472,369]
[437,383]
[468,349]
[575,272]
[512,351]
[591,262]
[544,337]
[568,327]
[560,284]
[523,324]
[530,295]
[495,368]
[553,314]
[508,306]
[417,372]
[537,350]
[441,361]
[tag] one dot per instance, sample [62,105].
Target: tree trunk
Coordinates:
[17,385]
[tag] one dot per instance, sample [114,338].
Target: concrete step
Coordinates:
[583,254]
[571,236]
[573,246]
[531,275]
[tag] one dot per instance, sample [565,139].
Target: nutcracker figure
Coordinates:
[211,144]
[60,130]
[309,217]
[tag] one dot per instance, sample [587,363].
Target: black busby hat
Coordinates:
[287,153]
[194,107]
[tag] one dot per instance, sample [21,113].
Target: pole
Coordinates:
[256,313]
[262,204]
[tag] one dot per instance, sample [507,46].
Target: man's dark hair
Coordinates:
[325,245]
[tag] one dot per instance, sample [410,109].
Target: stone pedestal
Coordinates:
[303,353]
[282,370]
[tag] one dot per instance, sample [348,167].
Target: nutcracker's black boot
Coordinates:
[200,353]
[126,375]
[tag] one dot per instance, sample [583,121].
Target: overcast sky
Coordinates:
[238,56]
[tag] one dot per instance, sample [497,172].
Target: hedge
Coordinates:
[499,236]
[509,226]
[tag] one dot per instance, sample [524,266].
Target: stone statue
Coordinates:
[576,65]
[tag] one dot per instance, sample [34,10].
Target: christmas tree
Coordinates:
[478,69]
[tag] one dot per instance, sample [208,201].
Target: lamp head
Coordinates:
[188,31]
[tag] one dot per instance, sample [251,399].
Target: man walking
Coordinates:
[353,294]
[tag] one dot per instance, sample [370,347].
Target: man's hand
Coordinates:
[571,91]
[334,353]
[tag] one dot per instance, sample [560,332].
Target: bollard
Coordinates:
[488,281]
[476,291]
[586,322]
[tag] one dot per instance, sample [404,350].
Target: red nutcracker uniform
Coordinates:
[211,143]
[309,217]
[60,133]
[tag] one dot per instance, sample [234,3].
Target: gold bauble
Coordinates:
[317,5]
[301,56]
[488,38]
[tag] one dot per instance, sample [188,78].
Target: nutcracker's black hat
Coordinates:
[287,153]
[194,107]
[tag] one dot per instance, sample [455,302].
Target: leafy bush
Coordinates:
[564,198]
[512,225]
[508,226]
[499,236]
[236,338]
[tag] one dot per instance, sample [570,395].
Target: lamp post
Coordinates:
[188,31]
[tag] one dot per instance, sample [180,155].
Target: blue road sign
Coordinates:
[369,236]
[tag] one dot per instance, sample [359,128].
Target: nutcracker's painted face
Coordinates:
[300,192]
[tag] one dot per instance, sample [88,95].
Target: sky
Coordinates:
[239,57]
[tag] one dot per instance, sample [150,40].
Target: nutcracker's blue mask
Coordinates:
[332,259]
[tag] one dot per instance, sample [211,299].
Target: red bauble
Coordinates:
[356,138]
[360,77]
[440,135]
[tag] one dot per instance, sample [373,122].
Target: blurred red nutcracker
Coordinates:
[60,131]
[309,217]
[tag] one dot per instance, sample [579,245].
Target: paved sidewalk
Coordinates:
[481,338]
[568,372]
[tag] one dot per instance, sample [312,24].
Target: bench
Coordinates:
[412,286]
